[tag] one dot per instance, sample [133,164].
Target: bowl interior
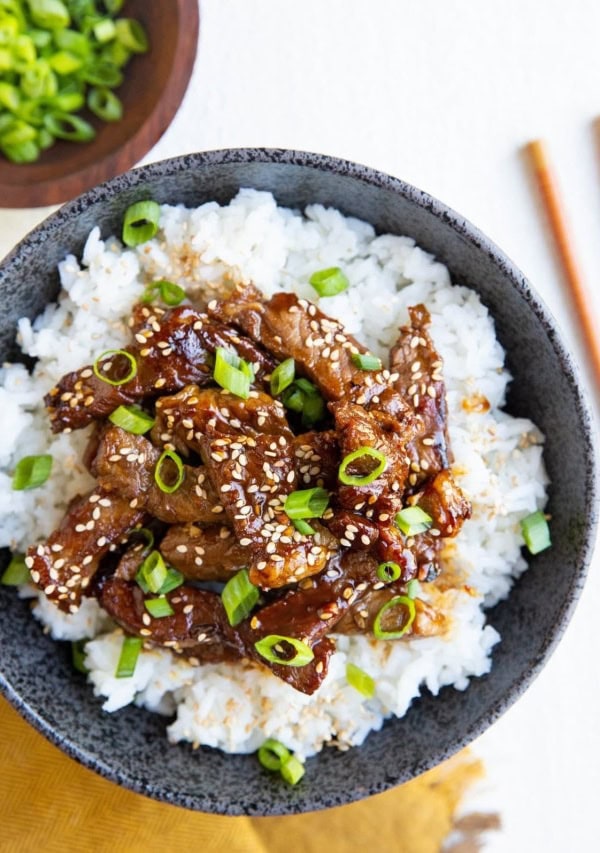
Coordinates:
[151,91]
[130,746]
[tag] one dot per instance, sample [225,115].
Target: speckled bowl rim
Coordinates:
[467,232]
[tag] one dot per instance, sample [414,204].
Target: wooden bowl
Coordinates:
[154,85]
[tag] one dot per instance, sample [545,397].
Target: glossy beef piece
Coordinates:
[204,553]
[253,477]
[292,327]
[172,349]
[419,368]
[447,505]
[125,465]
[199,617]
[63,567]
[317,459]
[358,428]
[131,560]
[185,418]
[353,530]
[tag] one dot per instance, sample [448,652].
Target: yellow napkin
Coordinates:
[50,803]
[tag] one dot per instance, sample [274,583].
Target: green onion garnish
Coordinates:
[366,362]
[388,572]
[174,579]
[130,652]
[359,679]
[31,472]
[105,104]
[329,282]
[303,527]
[132,419]
[169,488]
[170,293]
[362,479]
[536,532]
[104,30]
[232,373]
[282,376]
[398,600]
[306,503]
[78,656]
[70,127]
[158,607]
[132,35]
[16,573]
[413,588]
[153,573]
[292,770]
[146,534]
[239,597]
[272,648]
[272,753]
[140,222]
[305,398]
[413,520]
[131,373]
[49,14]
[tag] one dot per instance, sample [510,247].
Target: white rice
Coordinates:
[498,460]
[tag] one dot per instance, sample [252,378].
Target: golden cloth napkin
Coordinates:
[50,803]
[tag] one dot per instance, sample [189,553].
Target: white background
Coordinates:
[442,93]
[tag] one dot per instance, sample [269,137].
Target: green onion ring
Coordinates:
[388,572]
[132,419]
[306,503]
[267,649]
[31,472]
[271,754]
[130,652]
[176,459]
[158,608]
[360,480]
[132,373]
[239,596]
[329,282]
[140,222]
[394,602]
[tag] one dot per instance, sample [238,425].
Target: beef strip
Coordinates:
[184,418]
[418,367]
[204,554]
[358,428]
[172,349]
[253,477]
[65,564]
[199,623]
[444,501]
[125,465]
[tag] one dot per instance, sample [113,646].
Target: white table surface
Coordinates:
[442,94]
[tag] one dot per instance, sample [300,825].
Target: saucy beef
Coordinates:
[222,507]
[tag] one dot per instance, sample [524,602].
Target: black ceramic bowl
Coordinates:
[130,746]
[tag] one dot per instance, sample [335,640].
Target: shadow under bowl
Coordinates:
[130,746]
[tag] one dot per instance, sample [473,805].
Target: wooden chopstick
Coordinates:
[547,185]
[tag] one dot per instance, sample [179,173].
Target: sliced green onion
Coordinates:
[360,680]
[398,600]
[64,62]
[113,7]
[153,573]
[31,472]
[366,362]
[413,520]
[272,753]
[388,572]
[104,30]
[71,127]
[293,399]
[72,41]
[313,409]
[329,282]
[307,386]
[362,479]
[131,373]
[271,649]
[9,96]
[536,532]
[102,73]
[140,222]
[306,503]
[282,376]
[232,373]
[146,534]
[16,573]
[292,770]
[413,588]
[239,596]
[130,652]
[67,102]
[170,293]
[303,527]
[105,104]
[25,152]
[132,419]
[132,35]
[158,607]
[174,579]
[169,488]
[78,656]
[49,14]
